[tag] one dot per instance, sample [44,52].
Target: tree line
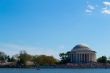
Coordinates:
[23,59]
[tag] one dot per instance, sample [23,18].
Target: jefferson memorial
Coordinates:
[82,54]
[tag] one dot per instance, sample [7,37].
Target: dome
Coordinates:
[81,47]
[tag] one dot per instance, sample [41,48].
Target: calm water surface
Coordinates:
[55,71]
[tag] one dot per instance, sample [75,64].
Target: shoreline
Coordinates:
[55,67]
[61,66]
[52,68]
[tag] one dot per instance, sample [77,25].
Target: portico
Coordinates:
[82,54]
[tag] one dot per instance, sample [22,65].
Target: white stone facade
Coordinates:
[82,54]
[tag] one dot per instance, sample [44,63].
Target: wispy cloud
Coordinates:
[88,11]
[90,8]
[106,9]
[106,3]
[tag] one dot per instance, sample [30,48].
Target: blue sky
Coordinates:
[53,26]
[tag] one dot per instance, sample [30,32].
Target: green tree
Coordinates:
[3,57]
[34,59]
[23,57]
[44,60]
[102,59]
[64,58]
[108,60]
[11,59]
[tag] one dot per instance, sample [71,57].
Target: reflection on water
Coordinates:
[55,71]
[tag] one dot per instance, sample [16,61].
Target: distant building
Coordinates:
[82,54]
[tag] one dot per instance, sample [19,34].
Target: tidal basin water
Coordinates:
[55,71]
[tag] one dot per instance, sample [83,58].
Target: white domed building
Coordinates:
[82,54]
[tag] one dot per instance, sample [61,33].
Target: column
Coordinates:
[92,57]
[89,57]
[74,57]
[71,57]
[78,57]
[81,58]
[84,57]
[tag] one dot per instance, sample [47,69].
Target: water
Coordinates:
[55,71]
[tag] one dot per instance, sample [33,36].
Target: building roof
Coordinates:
[81,47]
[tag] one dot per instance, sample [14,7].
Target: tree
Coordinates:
[64,58]
[44,60]
[102,59]
[11,59]
[108,60]
[23,57]
[3,57]
[35,60]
